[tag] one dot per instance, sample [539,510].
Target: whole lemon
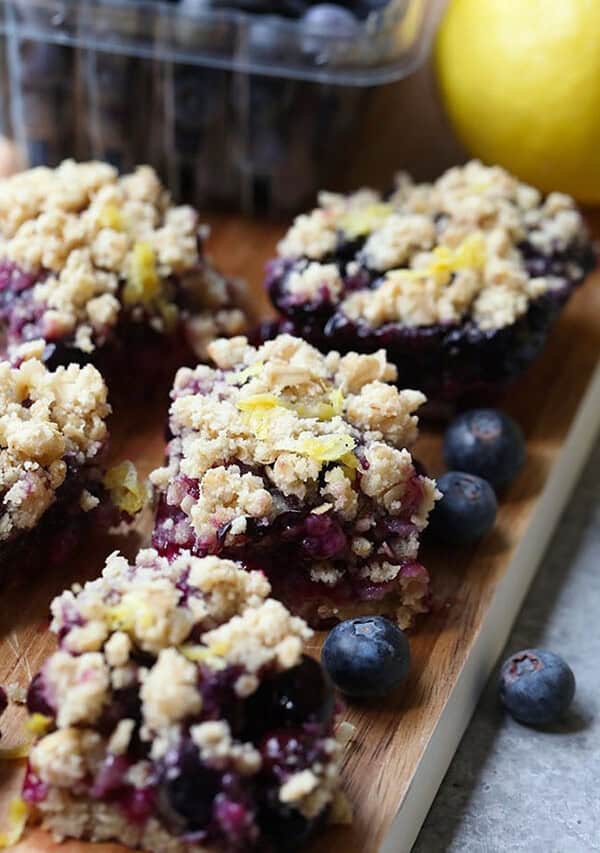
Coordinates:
[521,83]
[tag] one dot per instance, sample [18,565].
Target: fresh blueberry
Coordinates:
[366,656]
[298,696]
[285,827]
[364,8]
[466,510]
[485,442]
[536,686]
[187,787]
[328,19]
[286,8]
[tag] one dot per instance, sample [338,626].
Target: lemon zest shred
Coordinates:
[18,813]
[469,255]
[349,460]
[245,374]
[326,448]
[128,493]
[111,217]
[258,402]
[210,655]
[337,401]
[38,724]
[319,409]
[143,283]
[131,612]
[120,618]
[363,220]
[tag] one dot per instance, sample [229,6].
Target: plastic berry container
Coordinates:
[245,111]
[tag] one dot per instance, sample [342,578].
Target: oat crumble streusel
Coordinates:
[84,251]
[52,435]
[298,463]
[472,268]
[162,727]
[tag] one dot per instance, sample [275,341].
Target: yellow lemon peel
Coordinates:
[111,217]
[247,373]
[363,220]
[323,410]
[210,655]
[143,283]
[38,724]
[469,255]
[18,813]
[128,493]
[259,402]
[325,448]
[132,611]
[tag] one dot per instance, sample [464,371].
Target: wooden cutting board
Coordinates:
[401,747]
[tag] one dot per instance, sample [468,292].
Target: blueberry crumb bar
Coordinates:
[296,463]
[53,442]
[460,279]
[104,268]
[179,713]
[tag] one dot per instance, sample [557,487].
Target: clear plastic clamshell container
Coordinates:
[246,111]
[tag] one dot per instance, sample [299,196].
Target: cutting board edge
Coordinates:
[503,610]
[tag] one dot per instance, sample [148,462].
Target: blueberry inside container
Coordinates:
[237,108]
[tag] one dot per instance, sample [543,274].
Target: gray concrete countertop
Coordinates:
[511,789]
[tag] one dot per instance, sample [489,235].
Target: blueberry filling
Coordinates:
[286,549]
[132,341]
[63,525]
[288,719]
[445,361]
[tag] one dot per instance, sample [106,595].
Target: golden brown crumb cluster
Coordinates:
[186,617]
[47,420]
[443,251]
[289,412]
[107,244]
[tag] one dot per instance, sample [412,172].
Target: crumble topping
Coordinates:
[287,412]
[80,686]
[169,692]
[261,636]
[433,253]
[100,245]
[141,605]
[217,747]
[154,617]
[49,420]
[315,278]
[295,461]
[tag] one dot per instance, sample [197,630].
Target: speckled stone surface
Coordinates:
[511,789]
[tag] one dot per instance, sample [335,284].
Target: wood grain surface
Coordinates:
[391,736]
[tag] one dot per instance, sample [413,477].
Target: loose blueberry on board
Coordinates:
[536,686]
[486,442]
[366,656]
[466,510]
